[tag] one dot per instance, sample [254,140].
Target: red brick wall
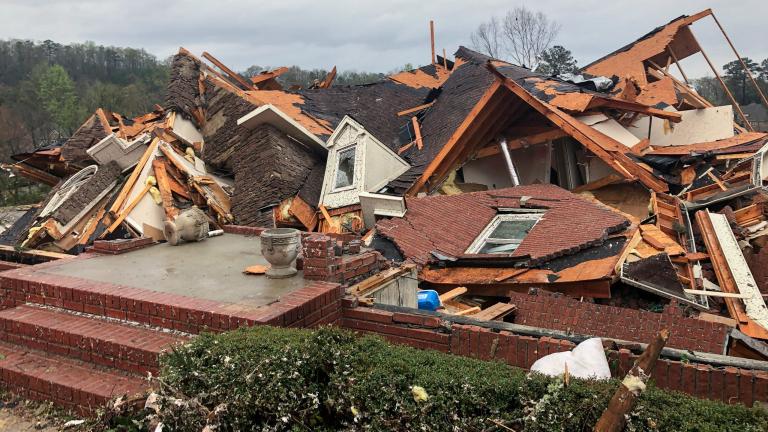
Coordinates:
[320,261]
[566,314]
[8,265]
[727,384]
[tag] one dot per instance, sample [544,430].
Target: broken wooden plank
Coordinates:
[126,211]
[379,279]
[470,311]
[733,274]
[716,294]
[614,418]
[35,253]
[496,312]
[232,74]
[452,294]
[120,200]
[164,185]
[417,131]
[415,109]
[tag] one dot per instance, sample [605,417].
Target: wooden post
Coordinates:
[445,60]
[725,87]
[743,65]
[232,74]
[432,39]
[680,68]
[613,418]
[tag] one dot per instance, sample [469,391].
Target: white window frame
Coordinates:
[482,239]
[336,169]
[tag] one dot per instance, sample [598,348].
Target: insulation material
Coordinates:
[697,126]
[610,127]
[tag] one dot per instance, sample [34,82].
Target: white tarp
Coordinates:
[585,361]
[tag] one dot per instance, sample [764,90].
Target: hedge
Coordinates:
[270,379]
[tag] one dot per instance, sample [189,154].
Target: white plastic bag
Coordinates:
[587,360]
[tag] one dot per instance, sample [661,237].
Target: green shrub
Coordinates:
[269,379]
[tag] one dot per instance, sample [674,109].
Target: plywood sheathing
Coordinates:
[658,92]
[719,146]
[291,105]
[628,62]
[430,76]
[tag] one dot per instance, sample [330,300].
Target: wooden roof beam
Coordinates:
[415,109]
[328,80]
[634,107]
[268,75]
[235,76]
[453,141]
[598,143]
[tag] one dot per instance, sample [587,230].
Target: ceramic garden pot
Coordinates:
[280,246]
[191,225]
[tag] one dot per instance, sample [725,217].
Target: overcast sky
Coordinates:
[366,35]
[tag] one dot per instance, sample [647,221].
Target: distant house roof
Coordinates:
[448,224]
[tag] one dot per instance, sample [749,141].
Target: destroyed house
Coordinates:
[278,165]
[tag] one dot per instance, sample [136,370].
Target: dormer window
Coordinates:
[505,233]
[345,168]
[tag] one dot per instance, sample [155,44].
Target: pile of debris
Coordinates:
[619,186]
[121,178]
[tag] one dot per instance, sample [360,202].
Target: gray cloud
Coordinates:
[364,35]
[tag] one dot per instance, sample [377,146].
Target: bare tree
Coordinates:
[521,35]
[487,38]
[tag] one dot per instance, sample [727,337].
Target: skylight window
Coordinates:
[345,168]
[505,233]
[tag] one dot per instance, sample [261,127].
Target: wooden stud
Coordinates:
[415,109]
[120,200]
[123,214]
[417,131]
[452,294]
[449,146]
[736,105]
[743,65]
[229,71]
[164,185]
[432,39]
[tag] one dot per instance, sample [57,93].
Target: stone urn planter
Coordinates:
[280,247]
[191,225]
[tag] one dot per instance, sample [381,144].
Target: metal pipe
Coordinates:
[508,159]
[669,353]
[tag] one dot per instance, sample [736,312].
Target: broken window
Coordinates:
[505,233]
[345,168]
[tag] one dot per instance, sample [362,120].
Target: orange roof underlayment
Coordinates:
[431,76]
[627,62]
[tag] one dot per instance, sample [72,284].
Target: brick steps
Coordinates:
[128,348]
[66,382]
[63,336]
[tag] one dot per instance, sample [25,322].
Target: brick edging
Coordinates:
[726,384]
